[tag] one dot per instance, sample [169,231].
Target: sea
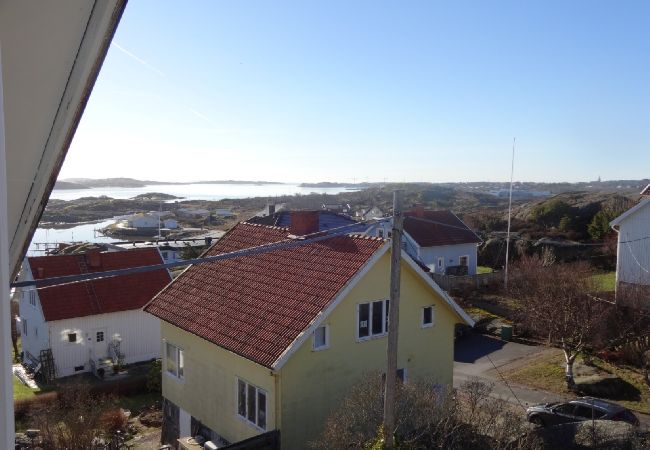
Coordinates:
[88,232]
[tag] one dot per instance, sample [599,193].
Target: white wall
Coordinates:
[633,262]
[140,333]
[451,255]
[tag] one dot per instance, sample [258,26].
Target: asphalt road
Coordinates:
[480,356]
[483,357]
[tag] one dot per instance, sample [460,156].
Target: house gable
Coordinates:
[313,382]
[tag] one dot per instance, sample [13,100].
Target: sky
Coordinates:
[356,91]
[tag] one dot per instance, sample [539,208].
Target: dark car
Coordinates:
[583,408]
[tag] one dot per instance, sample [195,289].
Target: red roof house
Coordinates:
[277,337]
[84,322]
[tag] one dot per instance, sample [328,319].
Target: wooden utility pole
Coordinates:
[393,320]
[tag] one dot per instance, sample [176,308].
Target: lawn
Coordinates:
[605,282]
[625,385]
[21,391]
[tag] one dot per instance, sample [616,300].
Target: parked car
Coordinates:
[580,409]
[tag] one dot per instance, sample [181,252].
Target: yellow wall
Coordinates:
[312,383]
[209,390]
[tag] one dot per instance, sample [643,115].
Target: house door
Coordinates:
[100,343]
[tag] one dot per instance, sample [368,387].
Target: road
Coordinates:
[483,357]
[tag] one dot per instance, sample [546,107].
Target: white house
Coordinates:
[92,324]
[151,220]
[633,252]
[436,239]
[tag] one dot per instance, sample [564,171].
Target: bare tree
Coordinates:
[428,416]
[556,302]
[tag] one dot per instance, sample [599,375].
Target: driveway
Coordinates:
[484,357]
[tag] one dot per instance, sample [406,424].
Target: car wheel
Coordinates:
[537,421]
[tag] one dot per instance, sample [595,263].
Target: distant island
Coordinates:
[327,184]
[89,183]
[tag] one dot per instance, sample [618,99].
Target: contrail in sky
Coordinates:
[140,60]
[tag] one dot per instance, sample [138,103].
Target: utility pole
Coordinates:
[393,320]
[512,171]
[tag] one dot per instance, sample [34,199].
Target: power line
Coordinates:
[279,245]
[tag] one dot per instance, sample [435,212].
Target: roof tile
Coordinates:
[256,306]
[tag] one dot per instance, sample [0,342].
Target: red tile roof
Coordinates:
[100,296]
[431,228]
[256,306]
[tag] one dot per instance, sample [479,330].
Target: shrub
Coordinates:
[154,377]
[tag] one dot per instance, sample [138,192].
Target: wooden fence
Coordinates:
[453,284]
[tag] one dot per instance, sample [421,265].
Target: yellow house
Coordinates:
[274,341]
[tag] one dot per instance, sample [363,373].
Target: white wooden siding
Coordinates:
[633,262]
[139,331]
[37,337]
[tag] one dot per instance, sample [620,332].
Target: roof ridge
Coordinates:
[261,225]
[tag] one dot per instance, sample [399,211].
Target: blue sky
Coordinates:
[369,90]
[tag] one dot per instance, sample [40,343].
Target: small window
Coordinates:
[321,338]
[251,403]
[164,255]
[380,232]
[401,375]
[32,298]
[427,316]
[463,260]
[72,337]
[25,327]
[175,361]
[78,368]
[372,319]
[100,336]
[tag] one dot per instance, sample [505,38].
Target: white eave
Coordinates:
[616,222]
[51,55]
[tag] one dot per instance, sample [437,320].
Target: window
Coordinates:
[32,298]
[100,336]
[321,338]
[175,361]
[427,316]
[72,337]
[441,264]
[251,403]
[463,260]
[164,255]
[78,368]
[25,327]
[380,232]
[372,319]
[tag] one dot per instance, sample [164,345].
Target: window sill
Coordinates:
[175,378]
[426,325]
[251,424]
[370,338]
[318,349]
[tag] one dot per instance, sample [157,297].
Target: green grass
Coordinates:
[21,391]
[484,269]
[547,373]
[137,403]
[605,282]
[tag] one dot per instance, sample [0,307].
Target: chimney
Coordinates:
[419,211]
[304,222]
[94,259]
[270,209]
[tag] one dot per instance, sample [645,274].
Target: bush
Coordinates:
[154,377]
[113,420]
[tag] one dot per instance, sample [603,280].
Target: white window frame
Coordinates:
[433,317]
[326,345]
[460,260]
[177,374]
[258,390]
[384,320]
